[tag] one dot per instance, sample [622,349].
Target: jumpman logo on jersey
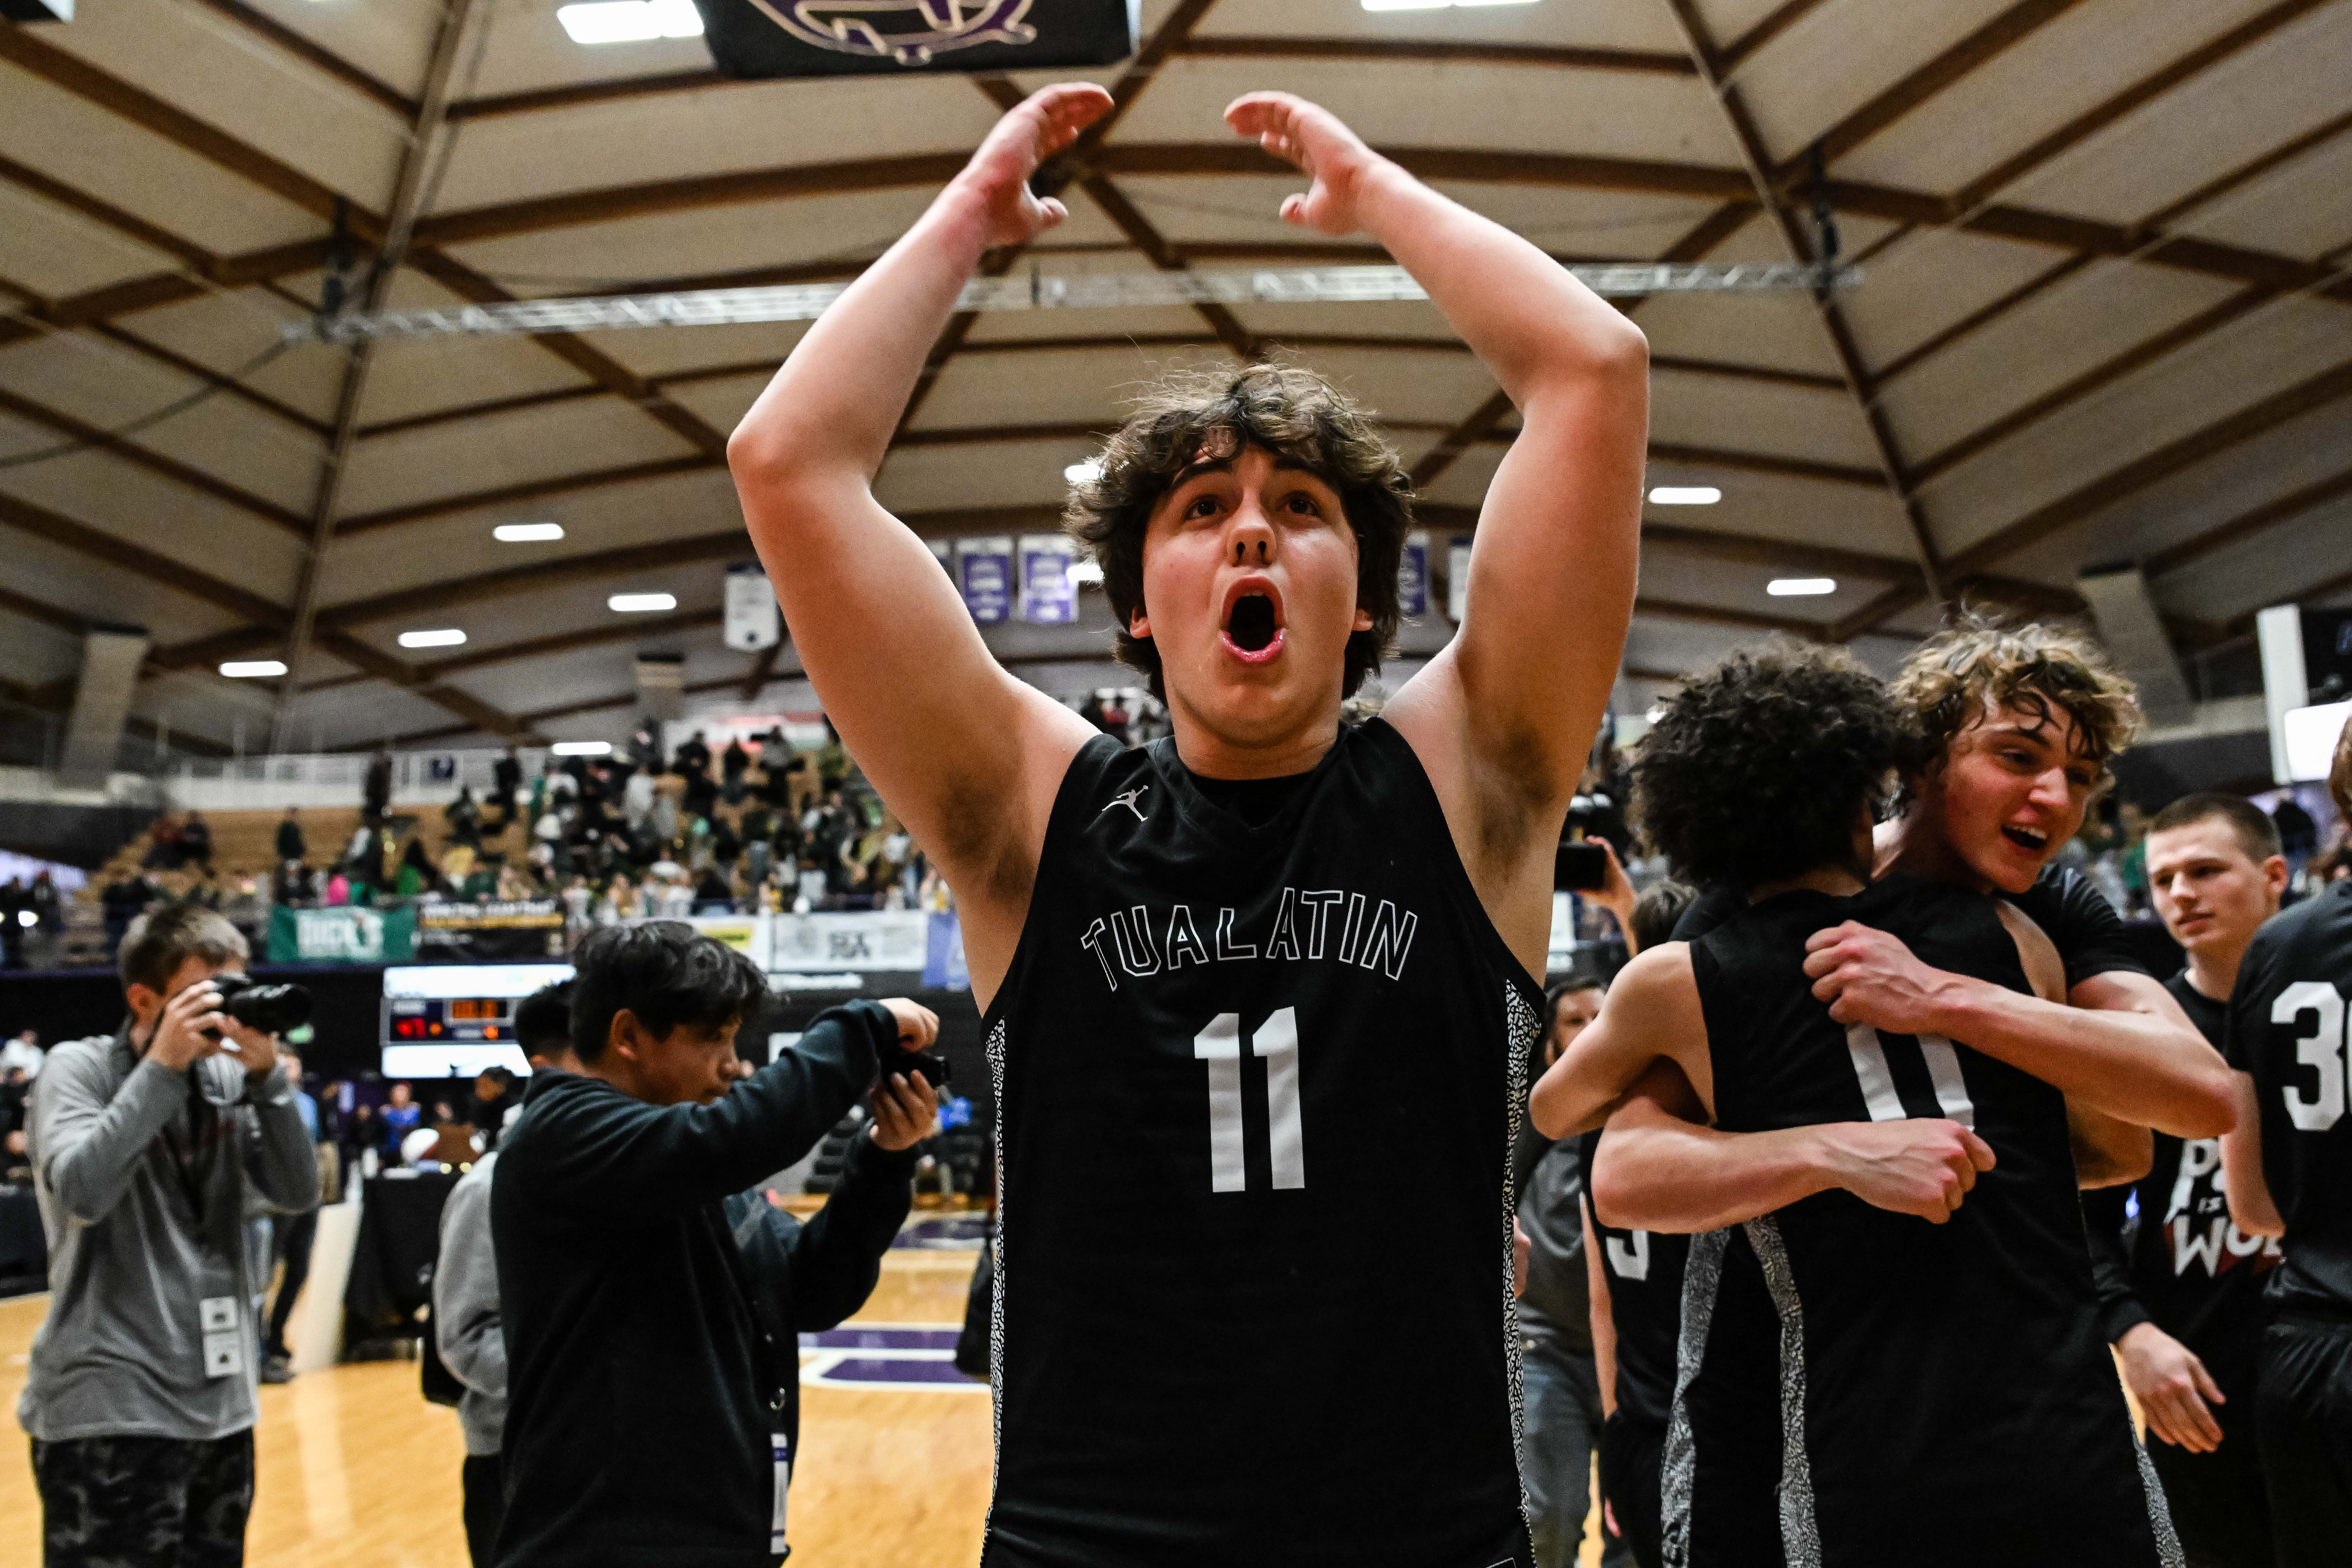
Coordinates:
[1128,800]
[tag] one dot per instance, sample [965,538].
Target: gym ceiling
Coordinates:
[2106,318]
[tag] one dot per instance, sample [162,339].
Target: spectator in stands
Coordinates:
[713,896]
[637,799]
[416,873]
[397,1120]
[506,783]
[23,1054]
[694,757]
[290,843]
[150,1148]
[196,841]
[464,818]
[14,1088]
[495,1101]
[733,763]
[338,890]
[702,795]
[15,899]
[358,1130]
[376,791]
[121,902]
[617,1245]
[291,1238]
[644,749]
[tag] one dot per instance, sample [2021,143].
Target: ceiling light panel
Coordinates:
[447,636]
[637,604]
[1799,587]
[527,532]
[1685,494]
[250,668]
[630,21]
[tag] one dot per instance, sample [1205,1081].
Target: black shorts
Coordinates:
[2220,1508]
[2302,1422]
[1632,1455]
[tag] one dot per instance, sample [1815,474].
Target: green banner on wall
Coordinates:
[342,935]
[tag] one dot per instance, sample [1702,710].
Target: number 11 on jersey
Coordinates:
[1220,1045]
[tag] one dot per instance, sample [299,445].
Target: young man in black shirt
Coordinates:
[2288,1167]
[651,1376]
[2181,1299]
[1881,1373]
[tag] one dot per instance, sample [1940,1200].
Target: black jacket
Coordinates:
[643,1384]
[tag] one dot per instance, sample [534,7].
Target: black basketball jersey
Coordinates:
[1256,1088]
[2287,1029]
[1645,1272]
[1943,1393]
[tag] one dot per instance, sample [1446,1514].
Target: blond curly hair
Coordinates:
[2044,669]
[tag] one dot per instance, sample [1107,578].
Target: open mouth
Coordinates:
[1253,628]
[2032,840]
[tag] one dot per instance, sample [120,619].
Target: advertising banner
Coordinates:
[1413,574]
[984,577]
[342,935]
[820,943]
[1046,596]
[753,620]
[471,933]
[943,964]
[747,934]
[1457,578]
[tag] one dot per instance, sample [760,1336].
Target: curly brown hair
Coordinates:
[1755,770]
[1289,412]
[2041,669]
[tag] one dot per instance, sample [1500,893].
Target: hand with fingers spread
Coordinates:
[1315,140]
[1045,123]
[1870,977]
[2172,1387]
[1924,1166]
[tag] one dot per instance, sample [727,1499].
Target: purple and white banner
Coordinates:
[1413,574]
[1046,596]
[984,577]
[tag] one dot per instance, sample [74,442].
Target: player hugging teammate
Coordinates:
[1881,1032]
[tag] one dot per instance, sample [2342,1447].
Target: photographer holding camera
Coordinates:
[146,1145]
[648,1305]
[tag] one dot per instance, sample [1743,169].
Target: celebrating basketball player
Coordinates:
[1259,997]
[1841,1366]
[2288,1170]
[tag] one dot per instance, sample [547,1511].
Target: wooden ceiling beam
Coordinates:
[2010,27]
[97,439]
[1779,555]
[160,570]
[481,715]
[2131,478]
[147,348]
[2246,524]
[2099,376]
[130,225]
[2097,118]
[1983,316]
[1433,51]
[574,94]
[315,55]
[1161,255]
[1736,54]
[24,47]
[530,489]
[1722,615]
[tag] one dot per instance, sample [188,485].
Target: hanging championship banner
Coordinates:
[753,620]
[984,577]
[1413,574]
[473,934]
[761,38]
[941,551]
[1457,577]
[341,934]
[1046,596]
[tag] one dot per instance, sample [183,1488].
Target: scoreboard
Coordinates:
[452,1020]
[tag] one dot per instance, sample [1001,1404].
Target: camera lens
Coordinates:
[272,1009]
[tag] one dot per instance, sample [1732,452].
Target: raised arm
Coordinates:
[1503,718]
[2118,1043]
[967,756]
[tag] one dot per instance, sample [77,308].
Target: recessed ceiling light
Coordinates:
[1685,494]
[1085,572]
[1799,587]
[1084,473]
[447,637]
[582,748]
[1436,5]
[629,604]
[526,533]
[630,21]
[246,668]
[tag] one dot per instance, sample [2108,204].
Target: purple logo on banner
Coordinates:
[984,574]
[1412,575]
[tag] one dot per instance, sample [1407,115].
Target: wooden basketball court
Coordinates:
[356,1471]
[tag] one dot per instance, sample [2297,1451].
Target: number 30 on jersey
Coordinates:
[2324,1048]
[1220,1046]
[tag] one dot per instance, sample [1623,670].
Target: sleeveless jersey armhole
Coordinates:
[1085,770]
[1420,794]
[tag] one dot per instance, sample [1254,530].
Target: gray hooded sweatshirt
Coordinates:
[146,1177]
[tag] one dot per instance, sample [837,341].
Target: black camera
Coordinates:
[272,1009]
[899,1059]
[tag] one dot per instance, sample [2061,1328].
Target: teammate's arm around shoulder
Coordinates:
[969,757]
[1652,1011]
[1516,696]
[2108,1151]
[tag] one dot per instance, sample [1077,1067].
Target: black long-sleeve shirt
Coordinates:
[644,1382]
